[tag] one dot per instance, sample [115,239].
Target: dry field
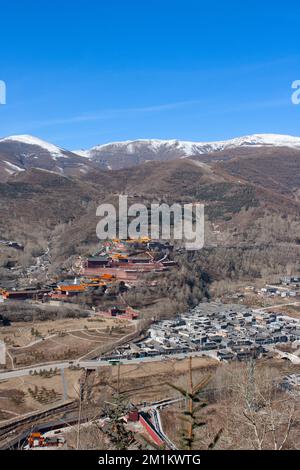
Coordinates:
[38,342]
[148,381]
[31,393]
[290,310]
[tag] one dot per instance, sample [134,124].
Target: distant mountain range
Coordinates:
[132,152]
[118,155]
[22,152]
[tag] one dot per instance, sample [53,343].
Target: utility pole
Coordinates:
[118,380]
[64,384]
[190,432]
[79,417]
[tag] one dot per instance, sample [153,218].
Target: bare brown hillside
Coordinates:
[44,210]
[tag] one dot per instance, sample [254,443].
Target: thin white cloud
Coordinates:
[112,113]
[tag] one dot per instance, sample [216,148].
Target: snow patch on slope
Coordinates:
[30,140]
[13,167]
[189,148]
[82,153]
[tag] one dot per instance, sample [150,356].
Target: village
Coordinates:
[225,332]
[280,290]
[289,286]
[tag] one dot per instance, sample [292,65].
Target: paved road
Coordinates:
[23,372]
[95,364]
[158,427]
[292,357]
[262,309]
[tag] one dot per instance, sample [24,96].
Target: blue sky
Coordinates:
[82,73]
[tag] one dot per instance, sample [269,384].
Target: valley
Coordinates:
[87,320]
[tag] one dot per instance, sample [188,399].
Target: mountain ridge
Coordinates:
[21,152]
[252,139]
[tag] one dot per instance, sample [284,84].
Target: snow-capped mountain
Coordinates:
[22,152]
[128,153]
[53,150]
